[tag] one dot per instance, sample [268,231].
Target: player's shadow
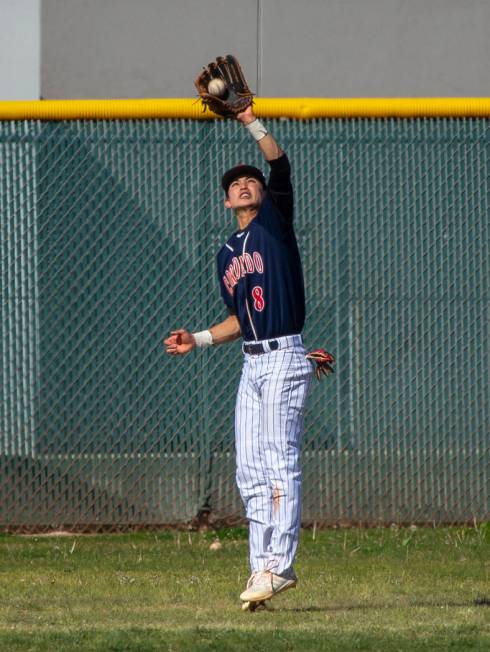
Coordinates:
[478,602]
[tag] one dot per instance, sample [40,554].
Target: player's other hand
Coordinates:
[247,116]
[179,342]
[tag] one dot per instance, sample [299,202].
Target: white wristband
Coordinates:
[203,339]
[257,129]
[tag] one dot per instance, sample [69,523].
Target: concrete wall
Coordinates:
[323,48]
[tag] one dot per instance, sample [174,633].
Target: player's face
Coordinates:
[244,192]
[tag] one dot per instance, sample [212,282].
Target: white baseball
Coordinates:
[216,87]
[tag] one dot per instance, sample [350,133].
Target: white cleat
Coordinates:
[264,585]
[254,605]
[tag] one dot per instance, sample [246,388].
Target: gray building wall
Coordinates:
[316,48]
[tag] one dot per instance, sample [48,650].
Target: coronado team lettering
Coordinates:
[239,267]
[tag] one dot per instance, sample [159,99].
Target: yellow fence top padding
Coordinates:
[301,108]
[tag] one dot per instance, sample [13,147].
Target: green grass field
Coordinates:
[380,589]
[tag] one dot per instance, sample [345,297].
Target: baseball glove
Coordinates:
[324,362]
[233,97]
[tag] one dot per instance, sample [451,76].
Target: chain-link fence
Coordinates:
[108,235]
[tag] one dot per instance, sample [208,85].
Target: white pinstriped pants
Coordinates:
[268,427]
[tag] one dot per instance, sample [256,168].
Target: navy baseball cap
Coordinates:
[241,170]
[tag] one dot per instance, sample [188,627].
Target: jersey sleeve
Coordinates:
[280,187]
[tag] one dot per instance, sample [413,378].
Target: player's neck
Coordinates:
[244,216]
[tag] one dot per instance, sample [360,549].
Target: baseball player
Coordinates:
[261,281]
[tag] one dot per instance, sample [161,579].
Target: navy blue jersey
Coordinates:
[259,268]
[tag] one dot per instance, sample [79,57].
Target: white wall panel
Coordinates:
[19,49]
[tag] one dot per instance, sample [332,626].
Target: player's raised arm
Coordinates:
[181,341]
[279,183]
[266,142]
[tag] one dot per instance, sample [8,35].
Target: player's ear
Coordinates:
[227,202]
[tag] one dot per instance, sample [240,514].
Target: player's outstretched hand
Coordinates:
[179,342]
